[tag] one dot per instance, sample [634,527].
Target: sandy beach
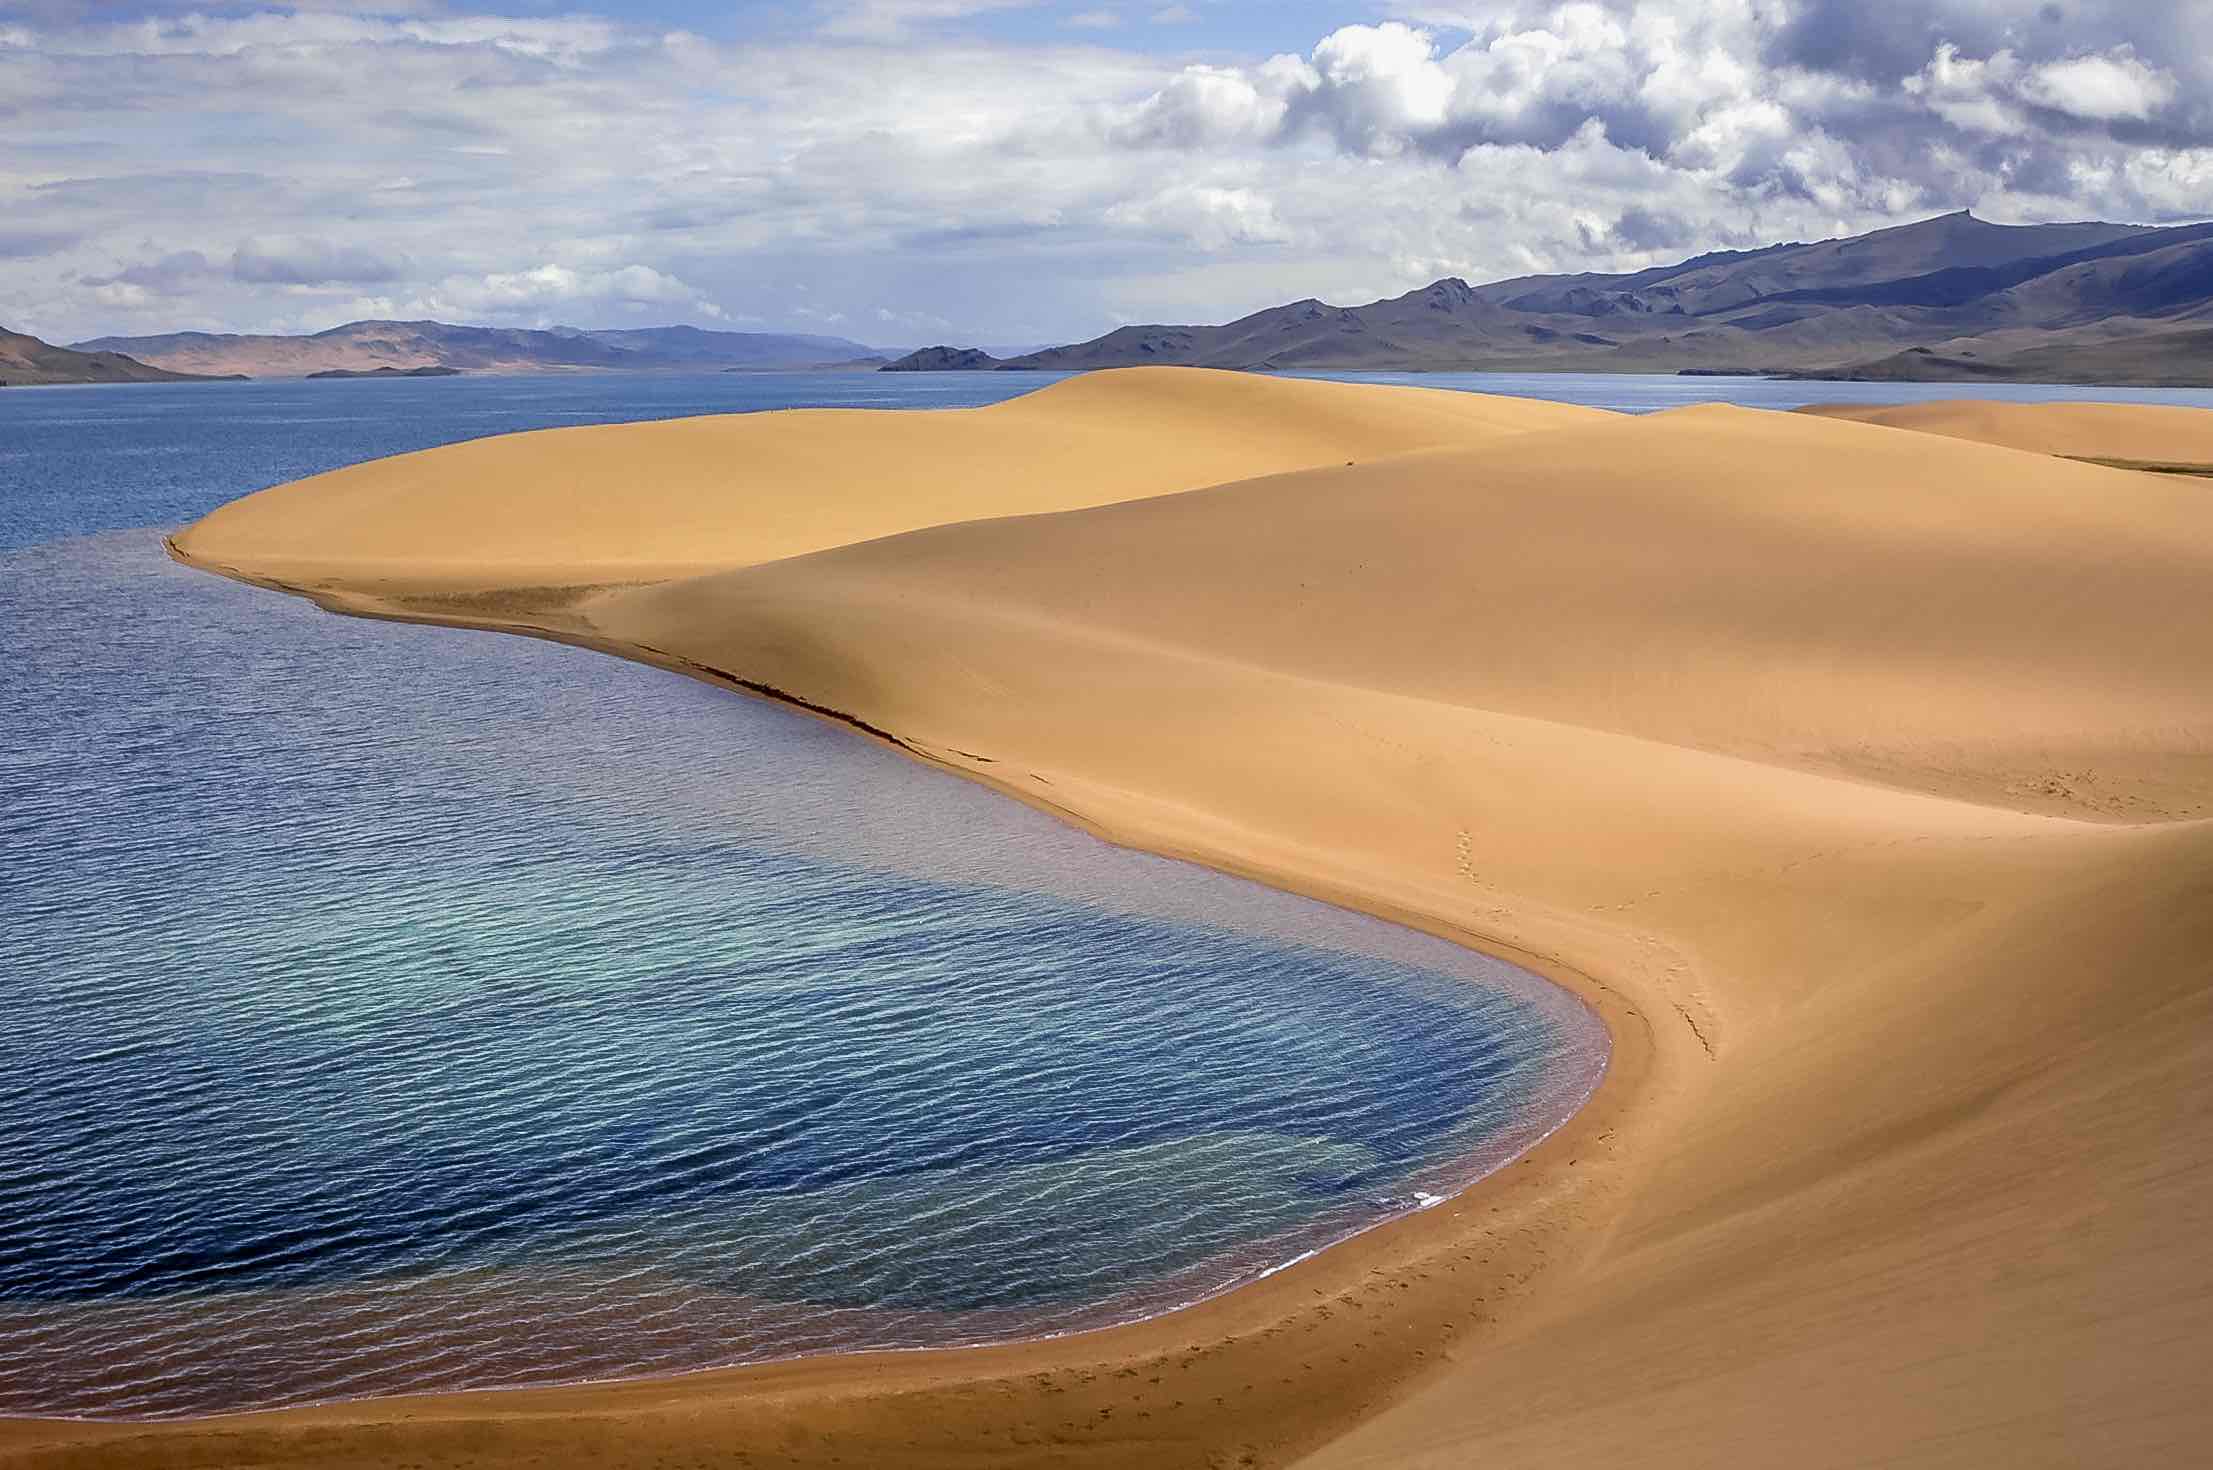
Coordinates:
[1857,768]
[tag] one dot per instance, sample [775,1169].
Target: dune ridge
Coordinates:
[1861,779]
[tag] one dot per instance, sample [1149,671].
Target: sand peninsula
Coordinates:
[1860,775]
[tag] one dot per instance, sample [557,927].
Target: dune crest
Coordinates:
[1862,780]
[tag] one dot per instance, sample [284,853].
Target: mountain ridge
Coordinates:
[28,361]
[1942,299]
[370,344]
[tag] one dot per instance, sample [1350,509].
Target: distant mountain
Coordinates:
[361,347]
[944,360]
[25,360]
[2074,302]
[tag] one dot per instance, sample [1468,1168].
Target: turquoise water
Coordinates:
[394,1008]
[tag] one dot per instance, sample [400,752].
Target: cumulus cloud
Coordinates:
[2102,88]
[1973,95]
[1995,95]
[1733,93]
[1659,75]
[1209,105]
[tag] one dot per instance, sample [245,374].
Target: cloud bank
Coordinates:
[902,163]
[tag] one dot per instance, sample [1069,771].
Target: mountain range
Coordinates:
[360,347]
[1946,299]
[1953,298]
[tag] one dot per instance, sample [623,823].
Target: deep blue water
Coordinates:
[398,1008]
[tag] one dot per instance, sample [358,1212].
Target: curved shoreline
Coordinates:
[1237,1320]
[1562,1090]
[1572,986]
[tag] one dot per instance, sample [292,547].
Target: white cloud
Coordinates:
[1378,87]
[2100,87]
[1205,216]
[1206,105]
[1973,95]
[1993,94]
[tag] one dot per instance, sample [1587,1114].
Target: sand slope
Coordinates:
[1751,583]
[1863,779]
[2144,433]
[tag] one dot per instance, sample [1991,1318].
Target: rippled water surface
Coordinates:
[396,1008]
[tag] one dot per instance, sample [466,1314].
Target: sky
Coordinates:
[1011,172]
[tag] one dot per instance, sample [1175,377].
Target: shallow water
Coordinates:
[400,1008]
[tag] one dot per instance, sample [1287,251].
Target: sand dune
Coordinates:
[1750,583]
[2142,433]
[645,500]
[1863,780]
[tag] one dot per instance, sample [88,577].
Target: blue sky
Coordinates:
[906,171]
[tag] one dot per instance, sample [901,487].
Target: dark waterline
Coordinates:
[401,1009]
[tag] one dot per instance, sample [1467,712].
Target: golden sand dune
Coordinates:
[657,499]
[2130,432]
[1751,583]
[1862,780]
